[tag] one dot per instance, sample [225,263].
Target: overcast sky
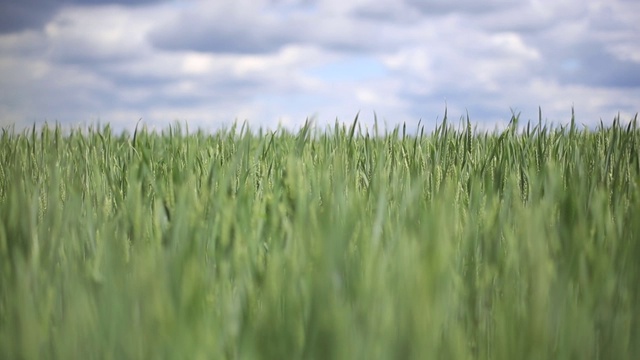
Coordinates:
[271,62]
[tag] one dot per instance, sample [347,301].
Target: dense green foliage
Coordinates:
[336,244]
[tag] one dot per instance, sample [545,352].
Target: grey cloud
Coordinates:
[85,55]
[116,2]
[232,85]
[18,15]
[438,7]
[389,11]
[589,63]
[259,34]
[224,27]
[27,14]
[218,37]
[353,34]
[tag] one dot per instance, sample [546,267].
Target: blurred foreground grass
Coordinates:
[341,244]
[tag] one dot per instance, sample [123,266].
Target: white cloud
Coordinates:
[105,33]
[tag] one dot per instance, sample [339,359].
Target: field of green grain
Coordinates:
[337,243]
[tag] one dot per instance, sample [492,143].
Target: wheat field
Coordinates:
[336,243]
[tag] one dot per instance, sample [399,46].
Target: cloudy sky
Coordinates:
[271,62]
